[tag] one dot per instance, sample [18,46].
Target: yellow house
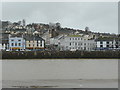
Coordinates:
[34,42]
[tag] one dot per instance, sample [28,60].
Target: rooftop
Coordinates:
[31,37]
[74,36]
[108,39]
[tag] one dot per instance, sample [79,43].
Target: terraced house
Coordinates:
[34,42]
[74,42]
[25,42]
[77,42]
[108,43]
[16,42]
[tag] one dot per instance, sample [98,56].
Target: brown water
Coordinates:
[56,73]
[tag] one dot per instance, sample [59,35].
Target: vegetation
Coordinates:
[59,54]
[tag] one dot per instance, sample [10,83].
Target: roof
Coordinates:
[108,39]
[18,30]
[32,37]
[5,36]
[74,35]
[16,35]
[5,41]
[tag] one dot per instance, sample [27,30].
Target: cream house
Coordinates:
[34,42]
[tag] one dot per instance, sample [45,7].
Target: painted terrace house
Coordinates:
[107,43]
[34,42]
[16,42]
[25,43]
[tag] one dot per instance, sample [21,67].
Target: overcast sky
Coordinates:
[98,16]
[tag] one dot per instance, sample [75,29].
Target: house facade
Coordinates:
[16,42]
[74,42]
[107,43]
[4,44]
[34,42]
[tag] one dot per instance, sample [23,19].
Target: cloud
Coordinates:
[99,16]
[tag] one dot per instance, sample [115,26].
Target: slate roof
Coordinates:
[108,39]
[31,37]
[16,35]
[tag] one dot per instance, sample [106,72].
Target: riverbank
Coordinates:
[59,54]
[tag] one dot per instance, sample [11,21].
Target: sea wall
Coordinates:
[59,54]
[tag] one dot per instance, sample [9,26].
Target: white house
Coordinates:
[107,43]
[4,44]
[74,42]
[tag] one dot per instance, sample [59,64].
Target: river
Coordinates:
[60,73]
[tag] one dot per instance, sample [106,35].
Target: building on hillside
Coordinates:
[4,44]
[74,42]
[34,43]
[107,43]
[16,42]
[53,29]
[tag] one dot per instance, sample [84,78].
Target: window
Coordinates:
[15,44]
[101,42]
[107,46]
[19,40]
[70,43]
[84,48]
[75,43]
[37,44]
[75,38]
[84,43]
[12,44]
[78,38]
[116,42]
[40,44]
[70,38]
[101,45]
[116,46]
[19,44]
[107,42]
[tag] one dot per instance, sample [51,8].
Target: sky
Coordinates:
[98,16]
